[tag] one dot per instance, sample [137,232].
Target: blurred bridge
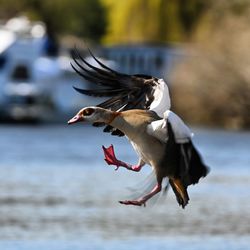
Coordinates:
[144,59]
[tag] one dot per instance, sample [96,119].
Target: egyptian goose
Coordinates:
[124,91]
[163,143]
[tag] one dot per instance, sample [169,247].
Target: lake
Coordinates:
[56,192]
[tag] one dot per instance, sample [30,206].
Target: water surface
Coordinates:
[56,192]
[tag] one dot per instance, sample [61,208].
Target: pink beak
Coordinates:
[75,119]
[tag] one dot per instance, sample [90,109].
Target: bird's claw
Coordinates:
[134,203]
[110,157]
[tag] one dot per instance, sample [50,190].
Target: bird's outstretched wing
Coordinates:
[123,91]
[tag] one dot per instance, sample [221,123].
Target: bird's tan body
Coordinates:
[133,124]
[180,163]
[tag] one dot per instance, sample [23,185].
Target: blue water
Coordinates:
[56,192]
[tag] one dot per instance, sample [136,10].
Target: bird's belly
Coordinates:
[139,152]
[151,152]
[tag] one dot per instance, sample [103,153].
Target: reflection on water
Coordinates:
[56,192]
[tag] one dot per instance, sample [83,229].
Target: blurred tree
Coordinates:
[152,20]
[9,8]
[84,18]
[215,81]
[129,21]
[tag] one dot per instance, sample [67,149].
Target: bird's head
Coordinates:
[93,115]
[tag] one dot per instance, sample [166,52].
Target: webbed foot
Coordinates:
[134,203]
[110,157]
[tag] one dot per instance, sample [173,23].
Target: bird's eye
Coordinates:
[88,111]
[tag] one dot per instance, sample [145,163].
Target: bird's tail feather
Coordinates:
[192,167]
[180,191]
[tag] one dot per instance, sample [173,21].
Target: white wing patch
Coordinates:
[161,101]
[158,129]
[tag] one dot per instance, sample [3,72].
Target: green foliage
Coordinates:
[84,18]
[154,21]
[9,8]
[124,21]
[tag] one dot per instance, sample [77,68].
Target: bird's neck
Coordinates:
[112,117]
[126,125]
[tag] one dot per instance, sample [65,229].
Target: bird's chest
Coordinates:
[147,148]
[140,152]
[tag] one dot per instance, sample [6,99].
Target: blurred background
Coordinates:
[56,192]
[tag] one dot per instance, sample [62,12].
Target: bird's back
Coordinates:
[134,122]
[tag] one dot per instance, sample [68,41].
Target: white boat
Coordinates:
[33,84]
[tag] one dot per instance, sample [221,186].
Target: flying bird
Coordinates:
[138,106]
[156,146]
[124,91]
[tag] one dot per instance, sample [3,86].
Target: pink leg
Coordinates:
[111,159]
[142,200]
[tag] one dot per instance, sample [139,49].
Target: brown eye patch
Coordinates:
[88,111]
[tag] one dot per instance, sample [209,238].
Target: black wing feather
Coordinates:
[106,67]
[93,71]
[123,91]
[89,77]
[99,92]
